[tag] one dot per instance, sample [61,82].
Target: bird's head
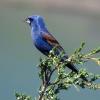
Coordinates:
[35,21]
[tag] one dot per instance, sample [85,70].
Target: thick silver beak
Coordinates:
[27,21]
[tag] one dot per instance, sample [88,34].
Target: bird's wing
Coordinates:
[51,40]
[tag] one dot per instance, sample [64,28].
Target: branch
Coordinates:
[54,76]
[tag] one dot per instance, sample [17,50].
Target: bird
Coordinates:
[44,41]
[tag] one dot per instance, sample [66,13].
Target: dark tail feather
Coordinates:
[74,69]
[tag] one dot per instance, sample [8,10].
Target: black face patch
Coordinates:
[30,19]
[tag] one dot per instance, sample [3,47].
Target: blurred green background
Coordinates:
[71,23]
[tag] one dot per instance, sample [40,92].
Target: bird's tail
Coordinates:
[74,69]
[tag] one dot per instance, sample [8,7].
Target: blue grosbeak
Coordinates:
[44,40]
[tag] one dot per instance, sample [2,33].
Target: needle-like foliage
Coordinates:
[63,80]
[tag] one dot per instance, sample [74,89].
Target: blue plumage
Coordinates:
[44,40]
[41,37]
